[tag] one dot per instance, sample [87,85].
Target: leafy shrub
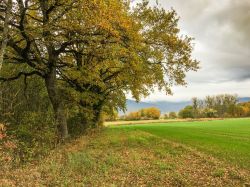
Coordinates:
[35,134]
[7,147]
[166,116]
[187,112]
[210,113]
[77,124]
[172,115]
[150,113]
[133,116]
[144,114]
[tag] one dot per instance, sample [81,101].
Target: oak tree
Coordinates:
[99,50]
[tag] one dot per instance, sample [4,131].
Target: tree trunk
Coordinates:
[61,122]
[97,114]
[57,104]
[5,32]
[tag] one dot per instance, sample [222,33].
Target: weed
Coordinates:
[218,173]
[164,166]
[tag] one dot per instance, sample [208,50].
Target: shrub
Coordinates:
[35,135]
[187,112]
[146,114]
[150,113]
[172,115]
[133,116]
[210,113]
[166,116]
[7,148]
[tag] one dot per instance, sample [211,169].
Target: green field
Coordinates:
[204,153]
[227,140]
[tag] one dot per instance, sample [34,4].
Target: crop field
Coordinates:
[203,153]
[124,93]
[227,140]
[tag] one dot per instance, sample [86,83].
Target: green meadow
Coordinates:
[227,140]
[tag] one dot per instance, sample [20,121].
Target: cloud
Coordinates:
[202,90]
[222,28]
[222,36]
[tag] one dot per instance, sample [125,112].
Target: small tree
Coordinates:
[166,116]
[210,113]
[172,115]
[151,113]
[243,109]
[133,116]
[187,112]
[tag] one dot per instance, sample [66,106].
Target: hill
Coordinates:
[164,106]
[244,99]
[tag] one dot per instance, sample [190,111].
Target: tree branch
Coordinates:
[25,74]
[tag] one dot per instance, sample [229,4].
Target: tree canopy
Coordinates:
[94,52]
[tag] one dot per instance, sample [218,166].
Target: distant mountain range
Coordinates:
[244,99]
[164,106]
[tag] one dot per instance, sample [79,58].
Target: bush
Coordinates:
[133,116]
[144,114]
[150,113]
[210,113]
[172,115]
[77,124]
[7,148]
[187,112]
[166,116]
[35,135]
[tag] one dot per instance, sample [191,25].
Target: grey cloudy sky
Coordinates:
[221,29]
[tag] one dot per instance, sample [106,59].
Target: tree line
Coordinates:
[143,114]
[67,62]
[218,106]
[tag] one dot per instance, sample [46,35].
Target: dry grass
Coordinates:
[120,157]
[112,123]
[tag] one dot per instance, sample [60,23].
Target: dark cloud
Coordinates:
[237,16]
[221,29]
